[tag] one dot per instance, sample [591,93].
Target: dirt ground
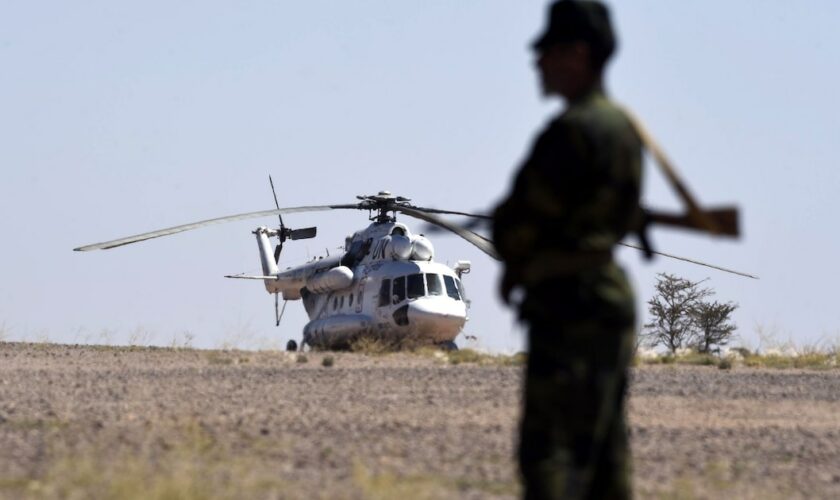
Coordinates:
[106,422]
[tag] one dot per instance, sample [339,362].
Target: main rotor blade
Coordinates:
[629,245]
[247,277]
[195,225]
[453,212]
[691,261]
[479,241]
[476,223]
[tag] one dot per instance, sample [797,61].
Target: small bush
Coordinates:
[743,351]
[301,358]
[472,356]
[375,345]
[694,358]
[725,364]
[372,346]
[215,358]
[328,361]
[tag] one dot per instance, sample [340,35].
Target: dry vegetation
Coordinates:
[815,359]
[135,422]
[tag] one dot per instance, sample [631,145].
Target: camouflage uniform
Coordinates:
[574,198]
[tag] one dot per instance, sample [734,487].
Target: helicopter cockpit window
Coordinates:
[399,289]
[385,293]
[416,287]
[451,287]
[433,284]
[398,231]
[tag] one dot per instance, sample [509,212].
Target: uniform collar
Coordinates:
[593,92]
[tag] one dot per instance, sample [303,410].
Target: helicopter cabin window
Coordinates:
[399,289]
[341,303]
[350,298]
[385,293]
[451,287]
[416,287]
[433,284]
[335,303]
[398,231]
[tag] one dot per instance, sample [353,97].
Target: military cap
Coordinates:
[573,20]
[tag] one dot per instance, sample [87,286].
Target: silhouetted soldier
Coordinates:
[574,198]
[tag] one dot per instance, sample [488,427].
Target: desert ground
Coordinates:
[136,422]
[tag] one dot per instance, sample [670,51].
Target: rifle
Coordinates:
[719,221]
[724,220]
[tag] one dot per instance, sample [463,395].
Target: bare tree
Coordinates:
[672,312]
[714,328]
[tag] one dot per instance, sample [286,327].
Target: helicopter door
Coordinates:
[383,302]
[360,296]
[385,293]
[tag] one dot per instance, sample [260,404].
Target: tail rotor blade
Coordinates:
[276,204]
[276,308]
[303,234]
[278,312]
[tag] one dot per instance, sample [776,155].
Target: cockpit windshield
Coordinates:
[414,286]
[451,287]
[433,284]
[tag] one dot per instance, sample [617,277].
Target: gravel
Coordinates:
[88,421]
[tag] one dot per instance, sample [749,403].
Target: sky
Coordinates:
[119,118]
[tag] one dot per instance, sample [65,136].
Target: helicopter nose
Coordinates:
[439,317]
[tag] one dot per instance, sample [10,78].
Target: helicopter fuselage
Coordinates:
[386,285]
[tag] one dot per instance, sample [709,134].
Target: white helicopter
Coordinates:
[386,284]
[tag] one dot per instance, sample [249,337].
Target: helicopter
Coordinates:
[385,285]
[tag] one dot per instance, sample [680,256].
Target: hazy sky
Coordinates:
[121,118]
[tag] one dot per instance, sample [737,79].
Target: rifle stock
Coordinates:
[725,220]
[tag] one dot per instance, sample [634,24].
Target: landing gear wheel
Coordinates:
[448,346]
[291,346]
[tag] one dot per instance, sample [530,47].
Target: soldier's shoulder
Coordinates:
[598,113]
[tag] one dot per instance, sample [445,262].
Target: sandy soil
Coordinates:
[79,422]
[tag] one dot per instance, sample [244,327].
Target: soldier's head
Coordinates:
[575,47]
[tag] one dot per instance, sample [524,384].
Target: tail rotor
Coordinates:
[284,233]
[280,232]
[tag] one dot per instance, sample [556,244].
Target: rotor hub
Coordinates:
[384,204]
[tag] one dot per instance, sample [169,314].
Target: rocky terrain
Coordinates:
[132,422]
